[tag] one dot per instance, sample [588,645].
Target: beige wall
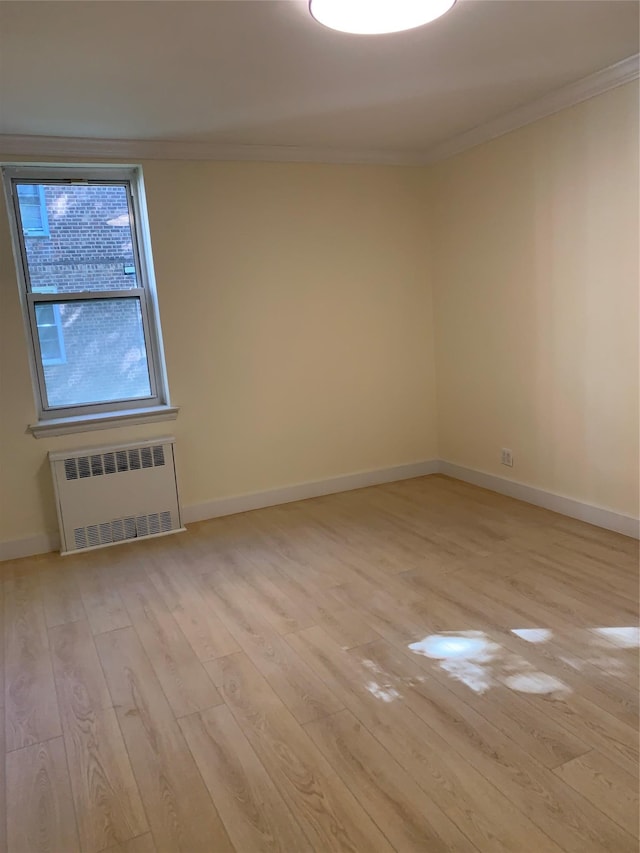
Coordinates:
[296,305]
[535,275]
[296,314]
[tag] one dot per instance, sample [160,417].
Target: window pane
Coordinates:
[105,353]
[89,244]
[32,212]
[31,215]
[49,343]
[45,314]
[27,191]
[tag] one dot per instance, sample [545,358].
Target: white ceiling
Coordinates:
[262,72]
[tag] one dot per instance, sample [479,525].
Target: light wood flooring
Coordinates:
[420,666]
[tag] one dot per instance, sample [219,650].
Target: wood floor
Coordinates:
[421,666]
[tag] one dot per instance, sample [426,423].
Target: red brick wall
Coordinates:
[83,251]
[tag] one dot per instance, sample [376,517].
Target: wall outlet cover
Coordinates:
[506,457]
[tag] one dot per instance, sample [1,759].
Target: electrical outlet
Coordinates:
[506,457]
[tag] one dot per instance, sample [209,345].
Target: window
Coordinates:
[88,294]
[33,210]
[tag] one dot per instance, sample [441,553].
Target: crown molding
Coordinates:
[568,96]
[157,149]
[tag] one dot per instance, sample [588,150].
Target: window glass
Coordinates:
[105,352]
[90,245]
[50,333]
[85,271]
[33,211]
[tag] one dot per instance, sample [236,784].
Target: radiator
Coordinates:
[108,495]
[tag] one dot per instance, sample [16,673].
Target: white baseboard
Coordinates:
[599,516]
[608,519]
[242,503]
[302,491]
[17,548]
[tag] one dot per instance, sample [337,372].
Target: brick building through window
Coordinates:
[87,288]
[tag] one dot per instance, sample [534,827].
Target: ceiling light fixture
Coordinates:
[373,17]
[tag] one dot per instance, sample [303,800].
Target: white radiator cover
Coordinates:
[117,493]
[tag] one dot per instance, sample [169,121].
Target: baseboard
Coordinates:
[608,519]
[17,548]
[302,491]
[599,516]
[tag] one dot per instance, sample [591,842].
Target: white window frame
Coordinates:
[78,418]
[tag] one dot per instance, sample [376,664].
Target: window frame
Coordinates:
[74,417]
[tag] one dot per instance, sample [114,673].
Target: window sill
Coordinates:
[87,423]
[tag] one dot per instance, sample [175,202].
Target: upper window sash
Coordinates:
[53,178]
[142,288]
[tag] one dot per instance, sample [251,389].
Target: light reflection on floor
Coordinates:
[465,656]
[481,663]
[384,691]
[380,693]
[533,635]
[624,637]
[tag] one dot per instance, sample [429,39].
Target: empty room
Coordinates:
[319,432]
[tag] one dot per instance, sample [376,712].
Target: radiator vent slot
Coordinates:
[98,464]
[121,529]
[98,508]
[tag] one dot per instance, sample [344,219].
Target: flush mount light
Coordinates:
[372,17]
